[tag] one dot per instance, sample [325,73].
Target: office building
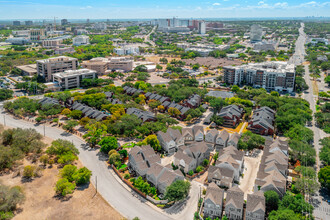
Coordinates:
[80,31]
[28,23]
[18,40]
[255,33]
[272,76]
[55,42]
[121,63]
[21,33]
[16,23]
[194,25]
[47,67]
[100,26]
[63,50]
[99,64]
[264,46]
[71,79]
[81,40]
[202,27]
[126,50]
[37,34]
[214,25]
[64,22]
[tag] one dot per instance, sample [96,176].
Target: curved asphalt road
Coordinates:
[107,185]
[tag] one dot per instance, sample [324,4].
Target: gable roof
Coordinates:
[255,202]
[215,194]
[235,196]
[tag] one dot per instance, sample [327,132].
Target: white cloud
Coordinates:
[216,4]
[87,7]
[261,3]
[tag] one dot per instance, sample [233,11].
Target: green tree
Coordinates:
[108,143]
[296,203]
[82,176]
[283,214]
[60,147]
[249,141]
[307,185]
[178,190]
[272,200]
[235,88]
[174,112]
[75,114]
[153,142]
[68,171]
[325,151]
[67,158]
[94,134]
[217,104]
[324,177]
[69,126]
[64,187]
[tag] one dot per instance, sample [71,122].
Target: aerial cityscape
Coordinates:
[184,110]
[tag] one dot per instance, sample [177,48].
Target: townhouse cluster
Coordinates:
[192,102]
[233,207]
[262,121]
[232,115]
[273,169]
[147,164]
[228,167]
[192,146]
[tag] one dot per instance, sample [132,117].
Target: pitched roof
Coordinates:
[215,194]
[255,202]
[235,196]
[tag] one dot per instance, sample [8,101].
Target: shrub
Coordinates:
[199,169]
[64,187]
[10,198]
[60,147]
[68,171]
[191,172]
[29,171]
[44,159]
[113,158]
[67,158]
[126,176]
[82,176]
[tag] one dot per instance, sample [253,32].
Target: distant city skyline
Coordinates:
[99,9]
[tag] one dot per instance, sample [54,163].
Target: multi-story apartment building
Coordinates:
[70,79]
[272,76]
[81,40]
[47,67]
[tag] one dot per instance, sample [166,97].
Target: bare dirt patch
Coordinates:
[212,62]
[42,203]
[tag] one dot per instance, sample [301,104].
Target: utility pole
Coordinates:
[96,183]
[44,130]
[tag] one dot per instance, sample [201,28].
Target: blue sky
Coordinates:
[75,9]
